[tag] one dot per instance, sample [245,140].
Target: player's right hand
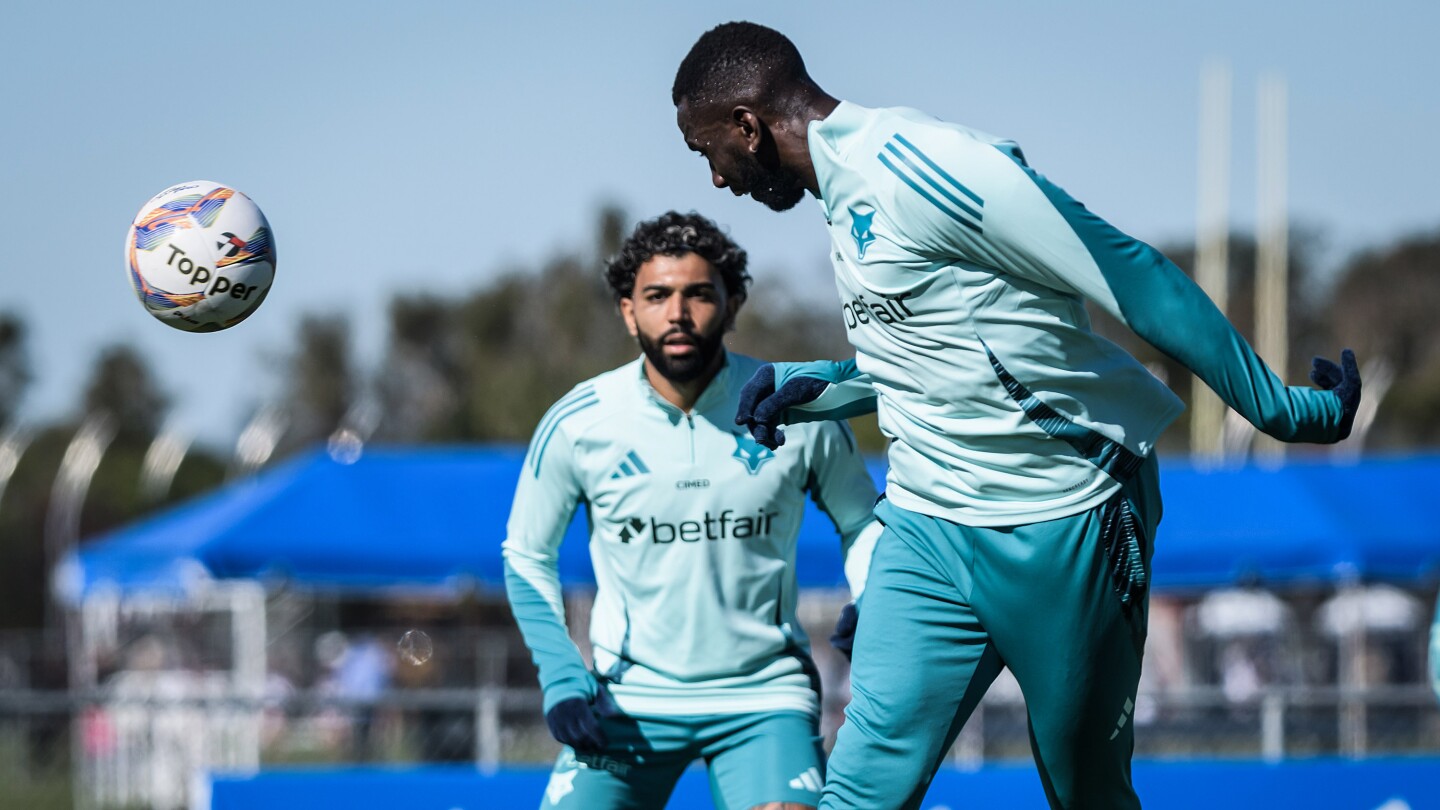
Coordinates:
[762,408]
[572,722]
[843,639]
[1344,380]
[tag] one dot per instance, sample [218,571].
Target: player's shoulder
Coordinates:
[742,367]
[592,400]
[911,123]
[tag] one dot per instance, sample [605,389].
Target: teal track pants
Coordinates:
[1062,603]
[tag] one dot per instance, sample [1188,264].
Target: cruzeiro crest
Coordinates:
[751,453]
[860,229]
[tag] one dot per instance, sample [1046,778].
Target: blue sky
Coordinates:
[428,146]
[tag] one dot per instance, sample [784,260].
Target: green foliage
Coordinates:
[1385,307]
[14,366]
[320,380]
[122,385]
[22,530]
[485,367]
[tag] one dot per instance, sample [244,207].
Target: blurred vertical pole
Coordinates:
[167,451]
[1212,244]
[12,446]
[67,500]
[1272,258]
[1353,677]
[258,440]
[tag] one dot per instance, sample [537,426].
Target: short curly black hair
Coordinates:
[735,59]
[675,234]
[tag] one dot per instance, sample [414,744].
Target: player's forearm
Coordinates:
[1174,315]
[857,549]
[848,392]
[1135,282]
[562,670]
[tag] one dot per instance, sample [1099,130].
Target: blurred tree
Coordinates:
[531,339]
[612,230]
[419,380]
[23,584]
[320,380]
[1384,306]
[14,366]
[487,367]
[122,385]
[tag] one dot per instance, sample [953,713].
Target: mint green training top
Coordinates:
[692,533]
[962,276]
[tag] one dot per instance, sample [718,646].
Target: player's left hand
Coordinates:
[1344,380]
[573,722]
[843,639]
[762,408]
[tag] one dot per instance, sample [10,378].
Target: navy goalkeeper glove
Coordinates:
[572,722]
[1344,380]
[762,408]
[843,639]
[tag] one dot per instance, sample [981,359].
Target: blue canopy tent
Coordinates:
[1308,522]
[434,518]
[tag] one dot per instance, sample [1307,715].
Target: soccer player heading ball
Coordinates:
[1022,497]
[697,651]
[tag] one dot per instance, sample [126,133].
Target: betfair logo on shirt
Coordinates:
[725,526]
[889,309]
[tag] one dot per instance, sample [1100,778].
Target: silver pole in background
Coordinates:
[67,496]
[258,440]
[1272,258]
[1212,245]
[12,447]
[162,461]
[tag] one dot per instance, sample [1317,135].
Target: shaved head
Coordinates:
[739,62]
[744,101]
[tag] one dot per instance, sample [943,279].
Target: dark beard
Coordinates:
[778,189]
[682,369]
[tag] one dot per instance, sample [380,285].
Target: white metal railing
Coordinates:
[144,743]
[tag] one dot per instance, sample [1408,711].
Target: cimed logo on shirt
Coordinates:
[751,453]
[860,229]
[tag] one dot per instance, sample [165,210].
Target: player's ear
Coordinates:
[732,310]
[750,127]
[627,312]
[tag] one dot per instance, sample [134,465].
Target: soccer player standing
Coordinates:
[697,651]
[1022,496]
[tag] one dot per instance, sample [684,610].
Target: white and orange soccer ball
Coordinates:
[200,256]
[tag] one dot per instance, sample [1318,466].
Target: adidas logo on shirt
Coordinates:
[630,465]
[809,780]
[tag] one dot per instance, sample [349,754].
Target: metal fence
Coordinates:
[103,750]
[158,696]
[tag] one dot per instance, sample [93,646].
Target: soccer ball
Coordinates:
[200,256]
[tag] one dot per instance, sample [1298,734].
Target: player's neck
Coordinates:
[815,106]
[683,395]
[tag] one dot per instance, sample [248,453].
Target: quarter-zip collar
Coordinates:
[715,393]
